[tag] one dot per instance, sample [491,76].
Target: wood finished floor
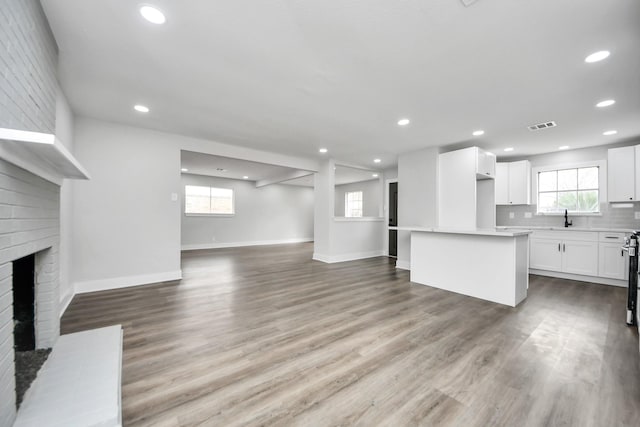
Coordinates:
[266,336]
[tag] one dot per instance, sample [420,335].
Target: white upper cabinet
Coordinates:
[637,172]
[621,174]
[520,183]
[513,183]
[466,197]
[502,183]
[485,164]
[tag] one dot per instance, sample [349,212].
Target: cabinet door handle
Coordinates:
[610,237]
[558,247]
[564,248]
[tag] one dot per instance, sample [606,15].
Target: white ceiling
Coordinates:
[342,175]
[304,181]
[292,76]
[225,167]
[206,164]
[347,175]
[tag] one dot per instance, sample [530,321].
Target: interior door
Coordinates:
[393,218]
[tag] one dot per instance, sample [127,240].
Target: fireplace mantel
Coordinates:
[41,154]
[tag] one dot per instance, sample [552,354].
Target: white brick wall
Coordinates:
[29,206]
[29,223]
[28,59]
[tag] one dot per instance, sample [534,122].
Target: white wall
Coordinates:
[568,156]
[341,239]
[371,197]
[271,214]
[64,132]
[126,227]
[391,173]
[417,196]
[609,217]
[356,239]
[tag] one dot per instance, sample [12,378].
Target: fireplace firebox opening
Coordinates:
[24,332]
[28,360]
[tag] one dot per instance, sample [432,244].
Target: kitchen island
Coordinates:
[489,264]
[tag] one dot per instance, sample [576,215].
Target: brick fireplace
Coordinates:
[29,204]
[29,224]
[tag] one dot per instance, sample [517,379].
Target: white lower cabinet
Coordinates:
[595,254]
[613,262]
[580,257]
[545,254]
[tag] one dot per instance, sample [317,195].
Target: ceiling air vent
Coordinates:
[544,125]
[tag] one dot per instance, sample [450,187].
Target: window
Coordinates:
[353,204]
[575,190]
[208,200]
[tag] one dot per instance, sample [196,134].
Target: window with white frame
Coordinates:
[575,189]
[201,200]
[353,204]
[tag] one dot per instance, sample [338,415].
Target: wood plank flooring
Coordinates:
[266,336]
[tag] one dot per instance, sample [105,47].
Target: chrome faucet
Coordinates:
[567,223]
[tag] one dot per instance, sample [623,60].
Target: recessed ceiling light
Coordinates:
[141,108]
[563,147]
[375,175]
[152,14]
[508,149]
[605,103]
[376,160]
[597,56]
[478,132]
[184,170]
[403,122]
[323,150]
[245,177]
[610,132]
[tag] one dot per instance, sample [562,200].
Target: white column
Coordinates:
[324,193]
[417,197]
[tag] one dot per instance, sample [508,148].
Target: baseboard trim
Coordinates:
[221,245]
[590,279]
[64,304]
[331,259]
[126,281]
[403,265]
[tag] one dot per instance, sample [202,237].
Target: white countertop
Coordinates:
[533,228]
[478,232]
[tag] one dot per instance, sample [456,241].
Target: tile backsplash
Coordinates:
[611,217]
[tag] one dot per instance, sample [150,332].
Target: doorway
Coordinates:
[393,219]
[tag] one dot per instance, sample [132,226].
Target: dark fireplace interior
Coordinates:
[28,360]
[24,333]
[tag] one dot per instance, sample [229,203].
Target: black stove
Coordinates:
[631,246]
